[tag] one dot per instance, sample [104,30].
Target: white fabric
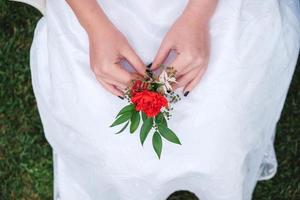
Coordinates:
[226,124]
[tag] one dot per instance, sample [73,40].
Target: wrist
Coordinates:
[99,28]
[200,10]
[91,17]
[95,22]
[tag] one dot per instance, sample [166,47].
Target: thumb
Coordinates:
[161,55]
[134,60]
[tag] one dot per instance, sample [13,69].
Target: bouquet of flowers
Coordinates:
[150,100]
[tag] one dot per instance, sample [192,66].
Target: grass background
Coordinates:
[25,156]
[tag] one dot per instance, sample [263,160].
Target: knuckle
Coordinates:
[189,58]
[100,71]
[196,57]
[199,60]
[104,70]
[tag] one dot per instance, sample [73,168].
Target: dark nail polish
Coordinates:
[149,65]
[121,97]
[186,93]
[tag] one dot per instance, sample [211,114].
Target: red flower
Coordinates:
[149,102]
[138,86]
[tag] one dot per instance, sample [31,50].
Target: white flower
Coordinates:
[166,80]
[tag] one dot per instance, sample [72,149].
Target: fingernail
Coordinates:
[149,65]
[121,97]
[186,93]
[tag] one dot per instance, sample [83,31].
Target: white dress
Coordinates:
[226,124]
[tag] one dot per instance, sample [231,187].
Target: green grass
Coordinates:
[25,156]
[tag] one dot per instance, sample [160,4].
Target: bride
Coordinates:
[234,62]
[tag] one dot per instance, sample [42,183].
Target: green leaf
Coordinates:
[157,143]
[160,119]
[123,118]
[135,121]
[154,86]
[124,127]
[168,134]
[146,127]
[144,116]
[125,109]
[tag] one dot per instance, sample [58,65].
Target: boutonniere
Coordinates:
[150,102]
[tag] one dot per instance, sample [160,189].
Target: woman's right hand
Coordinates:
[108,47]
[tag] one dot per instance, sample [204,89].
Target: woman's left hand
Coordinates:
[189,37]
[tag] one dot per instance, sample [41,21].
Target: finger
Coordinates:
[117,84]
[112,71]
[191,85]
[137,76]
[161,55]
[193,63]
[118,73]
[134,60]
[180,64]
[186,78]
[111,88]
[122,78]
[188,69]
[120,85]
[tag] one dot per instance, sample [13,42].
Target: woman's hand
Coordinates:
[189,37]
[107,47]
